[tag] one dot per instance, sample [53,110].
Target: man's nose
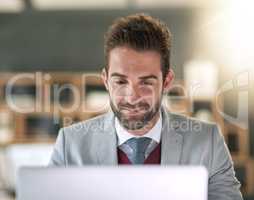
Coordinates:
[132,95]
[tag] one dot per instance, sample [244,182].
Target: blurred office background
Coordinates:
[51,54]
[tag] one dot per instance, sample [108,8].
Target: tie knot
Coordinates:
[139,145]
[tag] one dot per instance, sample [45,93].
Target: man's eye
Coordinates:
[147,83]
[120,82]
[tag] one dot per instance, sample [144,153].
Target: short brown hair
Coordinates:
[140,32]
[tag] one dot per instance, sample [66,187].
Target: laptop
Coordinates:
[113,183]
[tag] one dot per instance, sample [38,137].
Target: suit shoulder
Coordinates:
[186,124]
[86,126]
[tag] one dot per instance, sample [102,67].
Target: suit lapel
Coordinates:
[107,142]
[171,148]
[171,141]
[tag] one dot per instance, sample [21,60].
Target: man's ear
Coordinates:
[104,77]
[168,81]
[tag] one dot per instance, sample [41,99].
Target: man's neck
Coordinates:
[146,128]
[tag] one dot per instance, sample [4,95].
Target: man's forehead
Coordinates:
[127,62]
[120,54]
[135,73]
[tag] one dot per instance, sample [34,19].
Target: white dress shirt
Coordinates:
[123,135]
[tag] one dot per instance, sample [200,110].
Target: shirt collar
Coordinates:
[123,135]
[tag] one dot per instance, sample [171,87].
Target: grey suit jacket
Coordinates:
[184,140]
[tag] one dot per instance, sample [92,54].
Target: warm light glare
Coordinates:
[228,33]
[241,31]
[202,79]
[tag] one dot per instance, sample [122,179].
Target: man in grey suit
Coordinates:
[138,129]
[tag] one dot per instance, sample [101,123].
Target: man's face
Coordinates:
[135,85]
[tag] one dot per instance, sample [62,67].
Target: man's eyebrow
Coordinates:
[117,74]
[148,77]
[142,77]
